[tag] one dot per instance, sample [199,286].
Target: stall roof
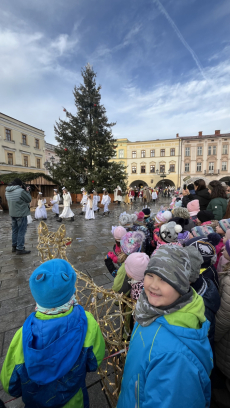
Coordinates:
[26,177]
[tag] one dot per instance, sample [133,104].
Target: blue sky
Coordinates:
[163,65]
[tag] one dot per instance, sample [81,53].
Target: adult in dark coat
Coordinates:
[188,195]
[202,194]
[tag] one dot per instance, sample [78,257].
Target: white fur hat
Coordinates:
[169,232]
[63,188]
[39,192]
[55,190]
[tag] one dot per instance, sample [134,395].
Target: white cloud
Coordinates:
[184,107]
[36,80]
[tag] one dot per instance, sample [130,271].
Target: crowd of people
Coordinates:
[142,194]
[176,266]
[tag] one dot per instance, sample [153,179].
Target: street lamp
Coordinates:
[163,175]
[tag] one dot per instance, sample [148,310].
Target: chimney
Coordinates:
[200,134]
[177,135]
[217,132]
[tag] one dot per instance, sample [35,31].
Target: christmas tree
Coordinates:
[86,146]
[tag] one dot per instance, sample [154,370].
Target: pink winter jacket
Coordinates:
[218,251]
[223,261]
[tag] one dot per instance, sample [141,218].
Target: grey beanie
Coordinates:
[181,212]
[172,264]
[196,261]
[169,232]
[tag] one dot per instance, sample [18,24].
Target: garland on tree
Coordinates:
[25,177]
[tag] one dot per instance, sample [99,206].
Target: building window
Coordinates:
[199,150]
[209,150]
[162,168]
[198,167]
[211,166]
[142,169]
[24,140]
[224,166]
[121,154]
[25,161]
[213,149]
[152,153]
[134,155]
[187,151]
[186,167]
[172,152]
[225,149]
[172,168]
[162,152]
[134,169]
[10,158]
[142,153]
[8,135]
[37,143]
[38,163]
[152,169]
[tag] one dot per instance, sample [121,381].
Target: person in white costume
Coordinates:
[154,196]
[67,201]
[83,201]
[118,195]
[96,199]
[106,200]
[89,214]
[55,202]
[40,211]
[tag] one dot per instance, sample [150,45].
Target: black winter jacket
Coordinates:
[212,303]
[186,199]
[203,196]
[211,299]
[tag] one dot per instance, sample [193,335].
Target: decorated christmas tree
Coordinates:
[86,146]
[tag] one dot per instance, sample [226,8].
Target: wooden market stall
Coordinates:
[37,181]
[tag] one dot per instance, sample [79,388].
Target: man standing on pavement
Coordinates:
[18,202]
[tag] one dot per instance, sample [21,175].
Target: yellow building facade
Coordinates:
[22,147]
[146,161]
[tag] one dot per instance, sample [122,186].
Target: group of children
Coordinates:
[182,289]
[90,204]
[41,213]
[177,270]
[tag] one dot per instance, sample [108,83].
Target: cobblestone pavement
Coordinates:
[91,241]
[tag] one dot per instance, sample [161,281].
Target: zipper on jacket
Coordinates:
[137,392]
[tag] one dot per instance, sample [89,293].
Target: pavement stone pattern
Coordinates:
[92,239]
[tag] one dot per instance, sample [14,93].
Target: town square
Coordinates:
[114,204]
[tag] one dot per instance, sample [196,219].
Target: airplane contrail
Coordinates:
[180,36]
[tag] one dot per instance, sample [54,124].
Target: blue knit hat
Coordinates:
[53,283]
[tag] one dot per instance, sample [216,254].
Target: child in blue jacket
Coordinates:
[169,359]
[49,356]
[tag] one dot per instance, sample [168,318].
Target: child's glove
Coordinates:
[112,256]
[114,273]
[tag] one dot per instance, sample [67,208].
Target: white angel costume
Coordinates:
[96,200]
[67,201]
[84,201]
[40,211]
[117,194]
[89,214]
[106,200]
[55,202]
[154,195]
